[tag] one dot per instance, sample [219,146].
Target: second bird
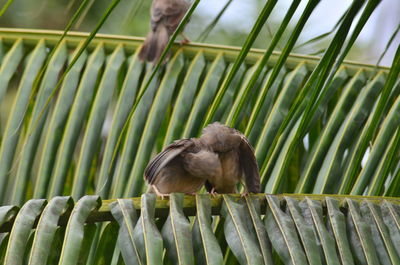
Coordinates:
[220,159]
[165,18]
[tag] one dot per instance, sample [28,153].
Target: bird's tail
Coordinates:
[154,45]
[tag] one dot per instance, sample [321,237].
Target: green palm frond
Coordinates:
[260,229]
[81,116]
[67,151]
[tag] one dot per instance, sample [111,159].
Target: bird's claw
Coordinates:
[244,194]
[184,41]
[162,195]
[159,194]
[213,192]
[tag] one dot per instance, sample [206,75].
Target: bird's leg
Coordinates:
[185,39]
[213,192]
[159,193]
[245,192]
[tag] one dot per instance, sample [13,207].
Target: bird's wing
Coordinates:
[250,168]
[163,158]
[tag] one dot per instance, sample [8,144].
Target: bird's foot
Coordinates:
[191,193]
[244,194]
[213,192]
[162,195]
[159,194]
[185,39]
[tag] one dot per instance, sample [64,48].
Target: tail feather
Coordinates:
[154,45]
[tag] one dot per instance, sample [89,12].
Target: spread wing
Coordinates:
[250,168]
[163,158]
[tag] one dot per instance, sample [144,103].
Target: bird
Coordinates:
[165,18]
[220,159]
[237,159]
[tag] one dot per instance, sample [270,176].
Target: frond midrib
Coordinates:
[32,36]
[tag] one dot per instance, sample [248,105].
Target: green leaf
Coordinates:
[7,213]
[337,223]
[57,120]
[279,111]
[319,81]
[356,156]
[205,96]
[331,168]
[391,219]
[76,245]
[254,208]
[133,136]
[282,233]
[326,240]
[350,110]
[263,16]
[301,218]
[125,214]
[208,251]
[389,127]
[96,119]
[5,7]
[31,142]
[262,62]
[74,124]
[155,118]
[385,248]
[106,243]
[360,236]
[19,108]
[176,233]
[185,99]
[146,234]
[125,102]
[268,104]
[9,65]
[239,232]
[21,230]
[282,58]
[47,228]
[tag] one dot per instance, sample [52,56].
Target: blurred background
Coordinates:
[132,18]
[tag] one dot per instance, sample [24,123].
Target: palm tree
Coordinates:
[85,116]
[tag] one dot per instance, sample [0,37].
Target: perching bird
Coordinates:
[165,18]
[236,157]
[220,158]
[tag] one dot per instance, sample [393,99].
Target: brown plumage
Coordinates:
[165,18]
[220,159]
[236,157]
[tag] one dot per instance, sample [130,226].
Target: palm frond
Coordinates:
[261,229]
[73,146]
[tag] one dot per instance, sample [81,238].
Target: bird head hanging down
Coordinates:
[165,18]
[236,157]
[220,159]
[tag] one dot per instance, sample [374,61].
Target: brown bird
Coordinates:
[220,159]
[236,157]
[165,18]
